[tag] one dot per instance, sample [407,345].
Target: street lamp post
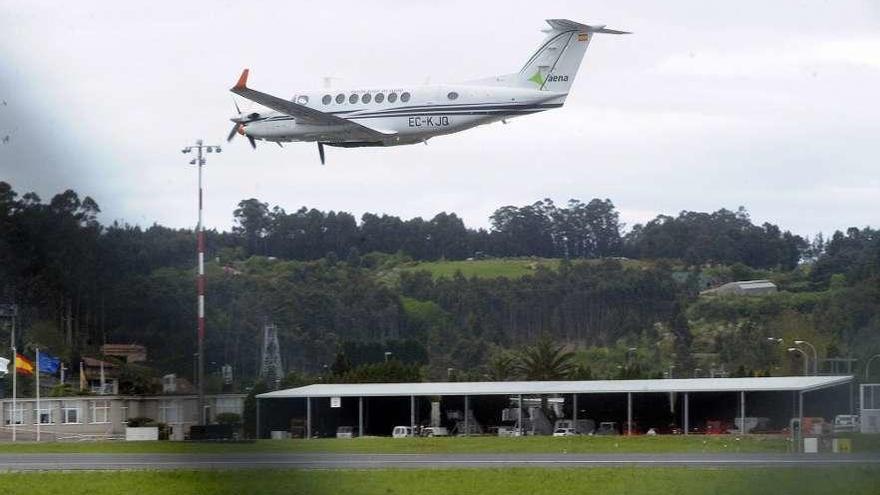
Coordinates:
[199,161]
[806,359]
[815,354]
[868,366]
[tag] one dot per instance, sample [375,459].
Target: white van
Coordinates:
[401,432]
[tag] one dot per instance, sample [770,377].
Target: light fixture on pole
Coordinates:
[868,366]
[199,161]
[815,354]
[806,359]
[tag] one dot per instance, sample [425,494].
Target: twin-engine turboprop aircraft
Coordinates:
[396,115]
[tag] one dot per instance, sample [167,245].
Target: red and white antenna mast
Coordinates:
[199,161]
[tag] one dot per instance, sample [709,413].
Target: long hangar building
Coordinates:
[634,405]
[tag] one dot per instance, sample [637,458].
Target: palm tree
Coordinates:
[502,367]
[545,361]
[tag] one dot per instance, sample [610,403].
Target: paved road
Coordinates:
[49,462]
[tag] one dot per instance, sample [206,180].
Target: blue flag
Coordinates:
[49,364]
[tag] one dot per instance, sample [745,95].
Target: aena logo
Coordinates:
[560,78]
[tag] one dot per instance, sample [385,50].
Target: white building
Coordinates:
[105,417]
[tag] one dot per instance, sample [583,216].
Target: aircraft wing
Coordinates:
[305,114]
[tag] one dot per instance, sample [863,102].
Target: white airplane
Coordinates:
[397,115]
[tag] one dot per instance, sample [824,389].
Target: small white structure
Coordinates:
[870,407]
[141,433]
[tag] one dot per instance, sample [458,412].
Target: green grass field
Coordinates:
[490,268]
[605,481]
[537,444]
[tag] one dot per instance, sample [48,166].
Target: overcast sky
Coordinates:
[770,105]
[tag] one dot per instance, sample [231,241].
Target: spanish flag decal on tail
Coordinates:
[583,37]
[23,365]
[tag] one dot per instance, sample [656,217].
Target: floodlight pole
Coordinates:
[815,355]
[199,161]
[868,367]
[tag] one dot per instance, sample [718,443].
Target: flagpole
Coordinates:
[38,394]
[14,378]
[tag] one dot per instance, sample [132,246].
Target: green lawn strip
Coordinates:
[605,481]
[583,444]
[491,268]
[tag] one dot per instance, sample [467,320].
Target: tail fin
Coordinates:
[555,63]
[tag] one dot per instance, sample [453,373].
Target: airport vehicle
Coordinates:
[345,432]
[564,432]
[395,115]
[607,428]
[581,426]
[846,423]
[435,431]
[401,432]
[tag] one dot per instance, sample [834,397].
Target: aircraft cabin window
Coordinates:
[404,97]
[302,100]
[366,98]
[380,97]
[392,97]
[353,98]
[452,95]
[340,98]
[327,99]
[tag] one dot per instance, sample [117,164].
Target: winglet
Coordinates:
[242,81]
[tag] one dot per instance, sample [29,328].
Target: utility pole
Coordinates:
[199,161]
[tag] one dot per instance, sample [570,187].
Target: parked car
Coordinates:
[564,432]
[401,432]
[846,423]
[345,432]
[607,428]
[435,431]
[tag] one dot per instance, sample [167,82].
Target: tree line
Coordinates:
[79,283]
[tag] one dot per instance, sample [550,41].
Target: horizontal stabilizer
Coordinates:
[567,25]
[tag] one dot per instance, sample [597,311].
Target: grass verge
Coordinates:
[452,445]
[605,481]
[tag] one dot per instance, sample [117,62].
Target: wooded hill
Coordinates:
[331,284]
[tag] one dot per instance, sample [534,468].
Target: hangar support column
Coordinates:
[360,416]
[687,412]
[257,430]
[519,414]
[629,413]
[412,414]
[574,410]
[308,417]
[467,430]
[742,412]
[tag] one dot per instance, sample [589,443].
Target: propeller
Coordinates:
[239,122]
[321,151]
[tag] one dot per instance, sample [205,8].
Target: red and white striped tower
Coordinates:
[200,278]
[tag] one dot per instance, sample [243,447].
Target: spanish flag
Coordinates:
[23,365]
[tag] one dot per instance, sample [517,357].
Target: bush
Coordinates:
[141,421]
[228,418]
